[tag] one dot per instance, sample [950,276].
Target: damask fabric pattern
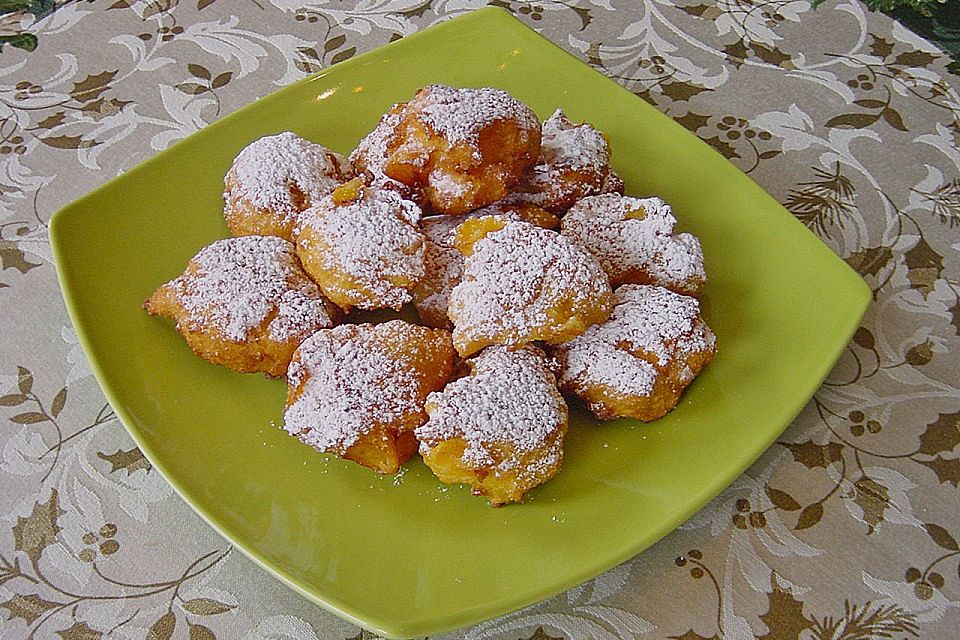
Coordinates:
[847,528]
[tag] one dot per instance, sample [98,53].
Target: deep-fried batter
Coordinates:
[358,391]
[244,303]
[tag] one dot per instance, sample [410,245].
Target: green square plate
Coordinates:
[407,556]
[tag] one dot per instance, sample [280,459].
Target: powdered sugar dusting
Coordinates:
[238,282]
[374,149]
[443,268]
[372,240]
[353,382]
[515,276]
[266,169]
[632,238]
[509,398]
[574,163]
[460,114]
[650,328]
[577,147]
[443,262]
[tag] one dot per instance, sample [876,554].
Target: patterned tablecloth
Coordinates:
[847,528]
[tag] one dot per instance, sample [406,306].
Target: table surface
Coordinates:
[847,528]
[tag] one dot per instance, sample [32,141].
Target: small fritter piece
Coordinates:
[522,283]
[633,240]
[574,163]
[500,429]
[637,363]
[274,179]
[371,155]
[358,391]
[443,262]
[462,148]
[362,246]
[244,303]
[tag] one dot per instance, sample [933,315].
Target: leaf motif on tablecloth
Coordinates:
[853,120]
[880,47]
[200,632]
[12,400]
[920,354]
[707,12]
[810,516]
[692,635]
[59,402]
[156,7]
[680,90]
[163,628]
[784,617]
[873,498]
[28,607]
[92,86]
[206,606]
[944,201]
[941,536]
[693,121]
[915,58]
[11,257]
[346,54]
[947,469]
[824,202]
[866,623]
[80,631]
[736,52]
[813,455]
[130,460]
[722,146]
[924,266]
[540,634]
[772,55]
[781,499]
[39,530]
[69,142]
[870,260]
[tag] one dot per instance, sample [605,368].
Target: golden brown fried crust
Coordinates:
[260,346]
[362,247]
[243,218]
[523,284]
[455,176]
[380,431]
[607,404]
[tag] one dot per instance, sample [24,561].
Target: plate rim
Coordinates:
[512,27]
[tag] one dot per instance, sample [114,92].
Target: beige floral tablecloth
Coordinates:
[846,529]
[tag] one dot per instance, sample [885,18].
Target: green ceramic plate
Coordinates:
[407,556]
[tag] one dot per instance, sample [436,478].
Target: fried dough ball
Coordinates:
[244,303]
[371,155]
[362,247]
[638,363]
[461,148]
[443,262]
[274,179]
[574,163]
[500,429]
[522,283]
[358,391]
[633,240]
